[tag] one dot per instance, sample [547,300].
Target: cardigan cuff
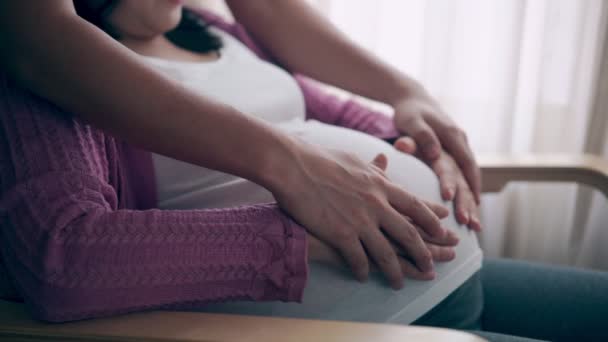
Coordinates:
[297,262]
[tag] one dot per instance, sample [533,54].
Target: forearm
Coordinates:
[76,248]
[309,44]
[98,262]
[81,69]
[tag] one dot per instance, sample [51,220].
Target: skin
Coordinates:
[319,188]
[141,25]
[333,61]
[451,180]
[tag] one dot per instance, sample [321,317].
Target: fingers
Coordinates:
[461,206]
[403,234]
[456,143]
[416,209]
[450,238]
[354,254]
[466,208]
[406,145]
[440,210]
[320,251]
[380,161]
[448,177]
[426,139]
[465,205]
[384,256]
[411,271]
[441,253]
[438,253]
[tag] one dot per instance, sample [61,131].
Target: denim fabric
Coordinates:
[512,300]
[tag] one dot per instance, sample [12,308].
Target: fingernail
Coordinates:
[465,216]
[448,194]
[475,222]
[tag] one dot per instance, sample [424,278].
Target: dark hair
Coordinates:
[191,34]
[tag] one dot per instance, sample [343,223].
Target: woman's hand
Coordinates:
[419,116]
[441,250]
[451,181]
[352,206]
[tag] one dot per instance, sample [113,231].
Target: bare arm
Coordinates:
[73,64]
[63,58]
[305,42]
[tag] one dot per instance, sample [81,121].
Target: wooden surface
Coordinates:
[15,325]
[590,170]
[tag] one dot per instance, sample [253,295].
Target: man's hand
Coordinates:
[420,117]
[352,206]
[451,181]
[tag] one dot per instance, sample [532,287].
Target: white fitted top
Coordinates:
[241,80]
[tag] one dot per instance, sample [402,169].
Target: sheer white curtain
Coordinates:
[520,76]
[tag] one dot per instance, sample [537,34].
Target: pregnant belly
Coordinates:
[186,186]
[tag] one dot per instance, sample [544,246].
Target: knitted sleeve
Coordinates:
[74,252]
[330,109]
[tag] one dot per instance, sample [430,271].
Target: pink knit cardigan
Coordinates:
[80,237]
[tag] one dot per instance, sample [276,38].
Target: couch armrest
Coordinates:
[590,170]
[15,325]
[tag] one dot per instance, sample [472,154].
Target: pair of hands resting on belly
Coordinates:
[452,181]
[439,247]
[363,219]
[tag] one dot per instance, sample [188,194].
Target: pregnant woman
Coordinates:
[77,244]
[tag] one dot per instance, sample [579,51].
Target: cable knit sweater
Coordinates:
[80,237]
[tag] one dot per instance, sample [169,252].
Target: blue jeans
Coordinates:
[510,300]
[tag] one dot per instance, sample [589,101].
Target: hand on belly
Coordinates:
[360,208]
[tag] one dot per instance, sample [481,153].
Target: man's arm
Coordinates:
[305,42]
[61,57]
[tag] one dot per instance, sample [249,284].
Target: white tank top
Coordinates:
[240,79]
